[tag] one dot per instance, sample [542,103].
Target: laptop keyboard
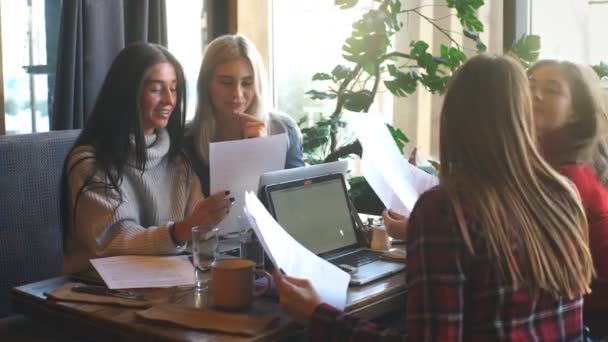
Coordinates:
[357,259]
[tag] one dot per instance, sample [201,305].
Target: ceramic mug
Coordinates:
[232,283]
[380,239]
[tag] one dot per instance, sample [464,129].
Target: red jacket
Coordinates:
[595,200]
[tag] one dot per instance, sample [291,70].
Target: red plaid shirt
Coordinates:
[456,296]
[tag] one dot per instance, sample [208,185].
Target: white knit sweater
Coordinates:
[164,193]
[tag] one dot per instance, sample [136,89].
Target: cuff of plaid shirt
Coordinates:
[323,322]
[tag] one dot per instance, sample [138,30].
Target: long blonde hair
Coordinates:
[529,217]
[222,50]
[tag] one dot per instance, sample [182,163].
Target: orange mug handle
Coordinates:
[267,287]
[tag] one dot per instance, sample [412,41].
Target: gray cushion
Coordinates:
[31,228]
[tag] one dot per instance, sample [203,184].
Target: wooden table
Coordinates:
[103,322]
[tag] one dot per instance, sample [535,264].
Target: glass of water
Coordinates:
[204,252]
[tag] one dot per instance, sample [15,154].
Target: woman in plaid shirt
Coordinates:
[499,250]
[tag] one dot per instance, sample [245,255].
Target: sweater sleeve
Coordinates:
[105,224]
[282,123]
[295,154]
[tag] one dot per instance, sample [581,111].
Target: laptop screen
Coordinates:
[315,212]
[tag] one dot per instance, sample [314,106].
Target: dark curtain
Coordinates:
[219,13]
[92,33]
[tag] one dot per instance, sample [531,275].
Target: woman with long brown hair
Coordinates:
[499,250]
[570,118]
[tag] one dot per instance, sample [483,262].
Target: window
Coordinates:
[30,32]
[29,43]
[187,30]
[307,38]
[574,30]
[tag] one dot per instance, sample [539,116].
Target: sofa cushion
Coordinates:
[31,228]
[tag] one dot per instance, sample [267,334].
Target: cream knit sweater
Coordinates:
[164,193]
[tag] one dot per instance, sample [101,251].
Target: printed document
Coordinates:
[139,271]
[237,166]
[287,254]
[396,182]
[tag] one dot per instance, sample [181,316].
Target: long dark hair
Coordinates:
[116,117]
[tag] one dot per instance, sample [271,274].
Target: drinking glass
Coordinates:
[204,252]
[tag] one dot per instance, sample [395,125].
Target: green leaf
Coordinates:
[418,48]
[601,69]
[466,13]
[346,4]
[359,101]
[321,76]
[526,49]
[532,42]
[340,72]
[399,137]
[319,95]
[402,84]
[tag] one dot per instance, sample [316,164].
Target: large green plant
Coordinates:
[371,59]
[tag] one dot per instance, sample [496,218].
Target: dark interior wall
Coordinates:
[221,18]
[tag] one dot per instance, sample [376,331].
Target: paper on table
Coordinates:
[138,271]
[237,166]
[286,253]
[396,182]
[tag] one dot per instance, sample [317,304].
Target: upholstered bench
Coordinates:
[31,224]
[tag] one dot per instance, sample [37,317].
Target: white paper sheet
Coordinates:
[286,253]
[237,166]
[396,182]
[139,271]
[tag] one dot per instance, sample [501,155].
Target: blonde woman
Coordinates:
[232,104]
[498,251]
[569,117]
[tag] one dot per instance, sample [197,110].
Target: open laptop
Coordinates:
[316,213]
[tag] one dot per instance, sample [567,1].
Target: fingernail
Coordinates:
[227,192]
[231,199]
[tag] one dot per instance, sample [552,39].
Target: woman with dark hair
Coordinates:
[570,120]
[130,187]
[498,251]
